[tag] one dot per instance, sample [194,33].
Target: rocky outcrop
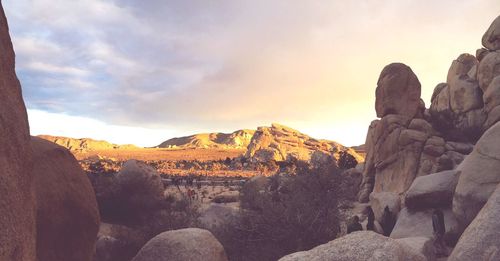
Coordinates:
[67,213]
[456,106]
[419,224]
[17,208]
[432,191]
[423,245]
[363,245]
[281,143]
[479,176]
[398,92]
[238,140]
[379,201]
[491,39]
[85,144]
[185,244]
[480,240]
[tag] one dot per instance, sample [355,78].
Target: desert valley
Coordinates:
[424,185]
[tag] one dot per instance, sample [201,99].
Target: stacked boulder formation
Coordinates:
[423,162]
[48,209]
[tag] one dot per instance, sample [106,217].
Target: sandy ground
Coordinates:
[147,154]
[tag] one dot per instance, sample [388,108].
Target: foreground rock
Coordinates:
[67,213]
[419,224]
[480,240]
[479,177]
[185,244]
[432,191]
[17,209]
[359,246]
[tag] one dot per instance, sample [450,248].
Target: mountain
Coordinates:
[84,144]
[237,139]
[282,143]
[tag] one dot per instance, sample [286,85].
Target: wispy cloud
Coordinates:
[223,65]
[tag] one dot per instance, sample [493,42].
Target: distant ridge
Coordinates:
[84,144]
[234,140]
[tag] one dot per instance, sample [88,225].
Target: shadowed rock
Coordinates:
[17,209]
[432,191]
[491,38]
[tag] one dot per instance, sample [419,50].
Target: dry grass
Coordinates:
[148,154]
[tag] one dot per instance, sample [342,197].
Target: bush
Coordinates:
[346,160]
[290,213]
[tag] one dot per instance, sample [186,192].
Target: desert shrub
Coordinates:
[289,213]
[346,160]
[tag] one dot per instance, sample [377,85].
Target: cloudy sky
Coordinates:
[144,71]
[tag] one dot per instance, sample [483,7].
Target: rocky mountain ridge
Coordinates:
[236,139]
[84,144]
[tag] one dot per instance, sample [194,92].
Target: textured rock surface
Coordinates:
[85,144]
[237,139]
[432,191]
[380,200]
[479,178]
[489,68]
[184,244]
[281,143]
[398,91]
[423,245]
[419,224]
[67,213]
[362,245]
[491,39]
[17,210]
[480,240]
[492,102]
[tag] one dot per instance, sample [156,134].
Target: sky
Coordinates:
[144,71]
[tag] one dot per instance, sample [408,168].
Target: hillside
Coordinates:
[235,140]
[84,144]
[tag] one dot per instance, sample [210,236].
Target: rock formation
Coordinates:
[85,144]
[67,214]
[185,244]
[281,143]
[17,207]
[491,39]
[236,140]
[363,245]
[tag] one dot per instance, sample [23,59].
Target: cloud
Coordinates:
[222,65]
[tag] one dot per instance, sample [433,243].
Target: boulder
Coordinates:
[362,245]
[380,200]
[17,207]
[491,38]
[106,248]
[491,103]
[419,224]
[398,91]
[184,244]
[422,245]
[488,69]
[479,177]
[432,191]
[67,213]
[480,240]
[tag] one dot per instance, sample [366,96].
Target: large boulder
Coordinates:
[380,200]
[480,240]
[479,177]
[423,245]
[488,69]
[67,213]
[184,244]
[363,245]
[419,224]
[492,103]
[491,38]
[432,191]
[17,207]
[398,91]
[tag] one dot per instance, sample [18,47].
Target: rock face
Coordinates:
[398,91]
[419,224]
[479,176]
[456,106]
[432,191]
[17,208]
[237,139]
[362,245]
[379,201]
[480,240]
[489,68]
[491,39]
[281,143]
[85,144]
[67,213]
[185,244]
[423,245]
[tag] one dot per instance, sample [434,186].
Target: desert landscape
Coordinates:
[422,184]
